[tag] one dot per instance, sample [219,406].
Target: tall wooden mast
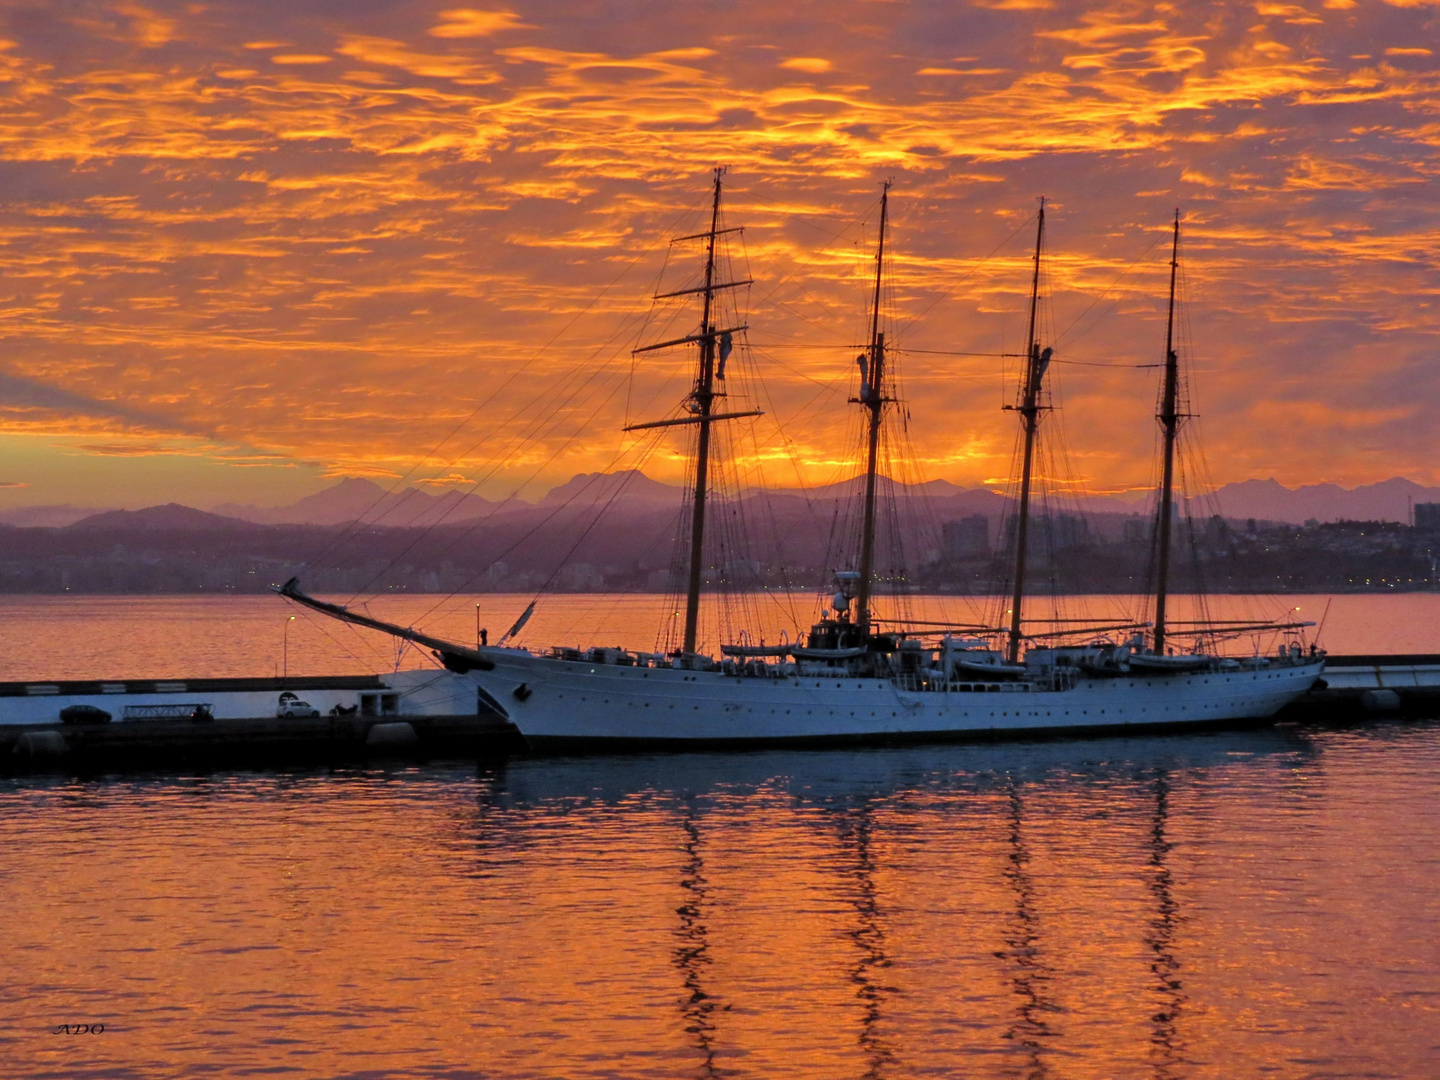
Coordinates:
[873,399]
[703,398]
[1029,410]
[1169,418]
[700,403]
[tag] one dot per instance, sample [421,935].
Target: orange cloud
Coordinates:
[467,22]
[390,53]
[136,24]
[340,267]
[811,64]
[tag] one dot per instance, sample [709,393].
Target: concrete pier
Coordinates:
[1373,685]
[138,723]
[255,740]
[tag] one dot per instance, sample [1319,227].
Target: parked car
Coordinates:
[296,708]
[84,714]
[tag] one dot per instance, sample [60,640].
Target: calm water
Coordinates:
[1191,906]
[86,637]
[1219,906]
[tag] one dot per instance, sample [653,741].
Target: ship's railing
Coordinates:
[934,682]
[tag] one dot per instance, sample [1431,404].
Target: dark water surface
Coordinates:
[1232,905]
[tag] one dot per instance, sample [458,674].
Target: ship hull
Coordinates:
[565,704]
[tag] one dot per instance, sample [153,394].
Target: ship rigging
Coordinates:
[713,341]
[847,680]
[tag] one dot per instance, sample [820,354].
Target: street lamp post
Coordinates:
[286,650]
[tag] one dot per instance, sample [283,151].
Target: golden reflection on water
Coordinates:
[89,637]
[1195,906]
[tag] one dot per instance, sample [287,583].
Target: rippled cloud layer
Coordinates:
[340,235]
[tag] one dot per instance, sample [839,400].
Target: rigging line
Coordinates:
[644,323]
[325,625]
[945,352]
[785,305]
[536,429]
[515,374]
[487,517]
[791,341]
[860,219]
[1055,343]
[517,444]
[798,219]
[594,478]
[821,346]
[792,455]
[427,530]
[1103,363]
[463,423]
[473,486]
[787,609]
[793,274]
[902,326]
[563,506]
[832,386]
[354,633]
[566,383]
[749,522]
[619,490]
[533,435]
[483,520]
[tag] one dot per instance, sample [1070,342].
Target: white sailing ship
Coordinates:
[849,680]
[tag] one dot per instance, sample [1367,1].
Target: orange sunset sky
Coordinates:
[248,248]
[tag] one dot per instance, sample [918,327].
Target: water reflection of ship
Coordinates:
[692,951]
[1028,972]
[868,934]
[819,776]
[1031,975]
[849,788]
[693,959]
[1169,989]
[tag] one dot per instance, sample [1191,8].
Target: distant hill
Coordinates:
[172,517]
[358,499]
[1264,500]
[345,501]
[48,517]
[1388,500]
[787,538]
[629,484]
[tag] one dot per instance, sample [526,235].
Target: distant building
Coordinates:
[580,577]
[1051,533]
[1427,516]
[1136,530]
[1066,531]
[968,536]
